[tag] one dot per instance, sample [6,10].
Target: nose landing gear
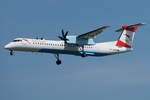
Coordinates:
[11,52]
[58,61]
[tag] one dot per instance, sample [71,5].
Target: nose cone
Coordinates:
[7,46]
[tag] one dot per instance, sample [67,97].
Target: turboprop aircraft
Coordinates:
[80,45]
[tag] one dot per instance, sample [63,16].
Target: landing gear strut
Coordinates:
[11,52]
[58,61]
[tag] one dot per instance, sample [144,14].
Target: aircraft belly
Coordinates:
[72,52]
[59,51]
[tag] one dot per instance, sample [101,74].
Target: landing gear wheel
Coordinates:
[11,52]
[58,62]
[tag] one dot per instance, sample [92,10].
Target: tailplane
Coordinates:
[127,36]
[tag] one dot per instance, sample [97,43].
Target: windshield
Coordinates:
[16,40]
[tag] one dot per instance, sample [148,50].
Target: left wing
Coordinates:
[93,33]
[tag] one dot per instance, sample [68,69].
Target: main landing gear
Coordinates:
[11,52]
[83,55]
[58,61]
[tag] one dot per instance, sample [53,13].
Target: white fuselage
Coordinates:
[59,47]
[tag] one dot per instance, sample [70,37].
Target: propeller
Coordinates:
[64,36]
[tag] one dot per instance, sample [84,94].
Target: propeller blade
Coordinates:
[66,33]
[60,37]
[65,41]
[63,34]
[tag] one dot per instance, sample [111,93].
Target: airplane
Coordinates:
[79,45]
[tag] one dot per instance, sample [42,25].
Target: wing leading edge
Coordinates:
[93,33]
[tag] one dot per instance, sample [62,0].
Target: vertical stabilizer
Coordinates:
[127,36]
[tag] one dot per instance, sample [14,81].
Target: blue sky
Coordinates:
[35,76]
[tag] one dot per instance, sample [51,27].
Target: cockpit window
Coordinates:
[16,40]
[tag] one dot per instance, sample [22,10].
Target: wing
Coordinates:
[93,33]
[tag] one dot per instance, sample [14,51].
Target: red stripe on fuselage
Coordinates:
[25,40]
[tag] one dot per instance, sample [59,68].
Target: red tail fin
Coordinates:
[127,35]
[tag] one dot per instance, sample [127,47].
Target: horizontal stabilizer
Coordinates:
[130,27]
